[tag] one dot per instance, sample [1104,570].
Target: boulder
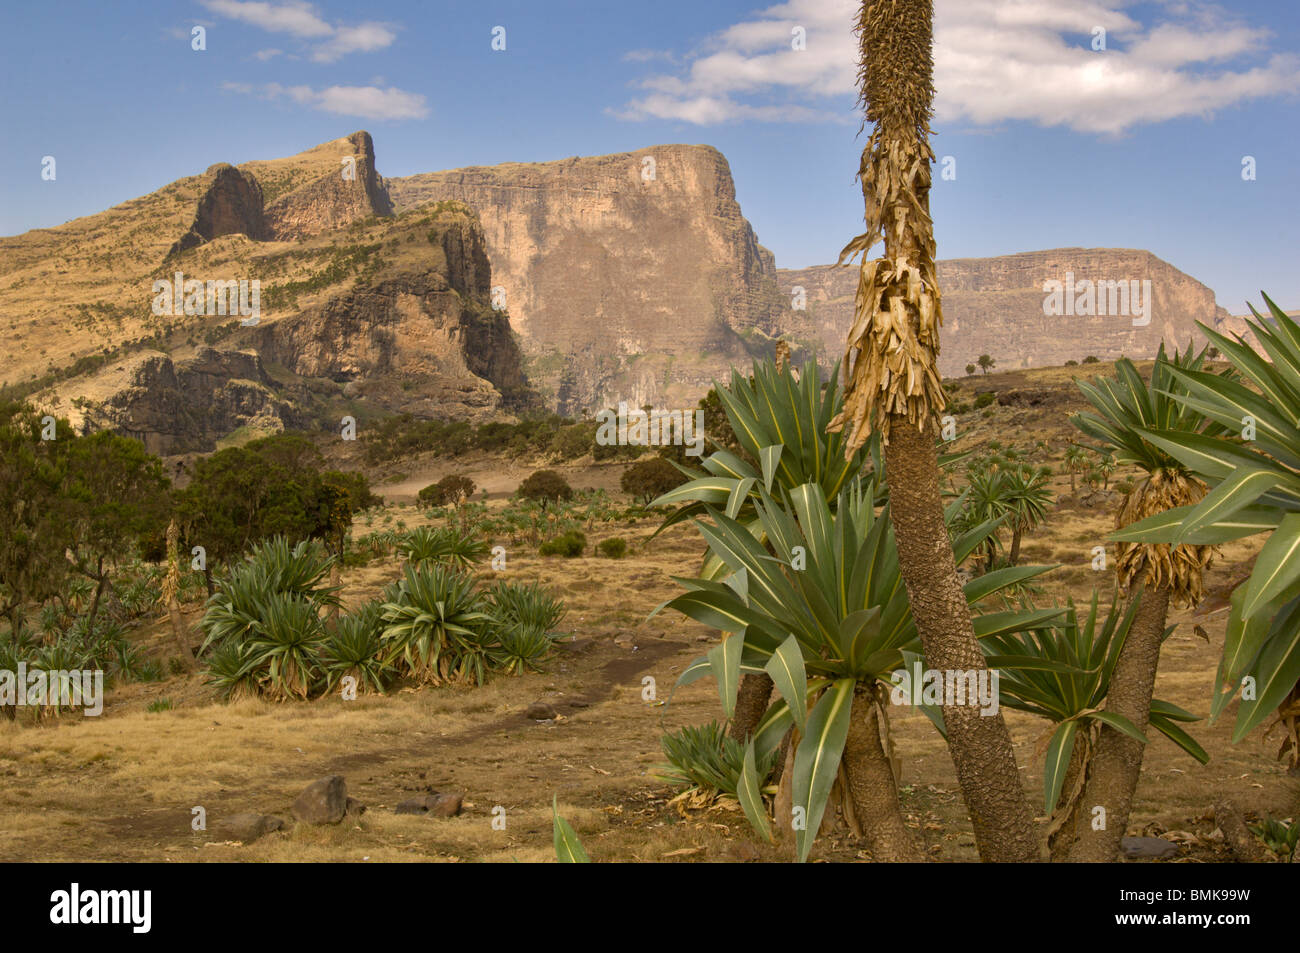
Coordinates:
[540,711]
[434,805]
[248,827]
[1144,847]
[322,802]
[444,805]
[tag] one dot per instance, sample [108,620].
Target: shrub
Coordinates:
[1071,363]
[613,548]
[530,605]
[441,545]
[569,545]
[545,487]
[436,628]
[704,759]
[452,490]
[353,648]
[522,647]
[263,624]
[1090,360]
[574,441]
[651,478]
[984,398]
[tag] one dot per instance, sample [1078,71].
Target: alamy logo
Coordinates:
[658,428]
[954,687]
[190,296]
[1087,298]
[73,906]
[75,688]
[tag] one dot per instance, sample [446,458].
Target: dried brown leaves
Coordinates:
[1181,568]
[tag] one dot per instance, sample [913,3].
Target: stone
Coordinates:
[1147,847]
[354,808]
[540,711]
[434,805]
[248,827]
[740,852]
[322,802]
[444,805]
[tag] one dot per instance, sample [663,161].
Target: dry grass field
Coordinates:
[121,787]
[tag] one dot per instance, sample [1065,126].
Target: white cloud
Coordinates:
[295,17]
[299,19]
[648,56]
[995,60]
[265,55]
[364,38]
[367,102]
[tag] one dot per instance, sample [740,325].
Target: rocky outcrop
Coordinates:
[335,198]
[420,339]
[231,205]
[336,194]
[995,306]
[183,405]
[628,277]
[413,333]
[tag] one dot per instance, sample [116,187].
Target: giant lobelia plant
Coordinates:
[825,614]
[1252,463]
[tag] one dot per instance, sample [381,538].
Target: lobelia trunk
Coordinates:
[336,579]
[783,805]
[751,704]
[895,389]
[873,787]
[101,579]
[980,744]
[1115,768]
[171,587]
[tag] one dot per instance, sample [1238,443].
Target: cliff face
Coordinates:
[339,195]
[232,205]
[356,305]
[628,277]
[995,306]
[417,340]
[172,406]
[336,187]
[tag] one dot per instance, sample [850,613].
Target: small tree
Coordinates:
[986,363]
[970,369]
[546,487]
[116,494]
[34,536]
[1076,461]
[651,478]
[452,490]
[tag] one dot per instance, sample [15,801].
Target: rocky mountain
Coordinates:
[1000,307]
[358,311]
[475,292]
[628,277]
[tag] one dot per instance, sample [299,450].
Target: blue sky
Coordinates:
[1136,145]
